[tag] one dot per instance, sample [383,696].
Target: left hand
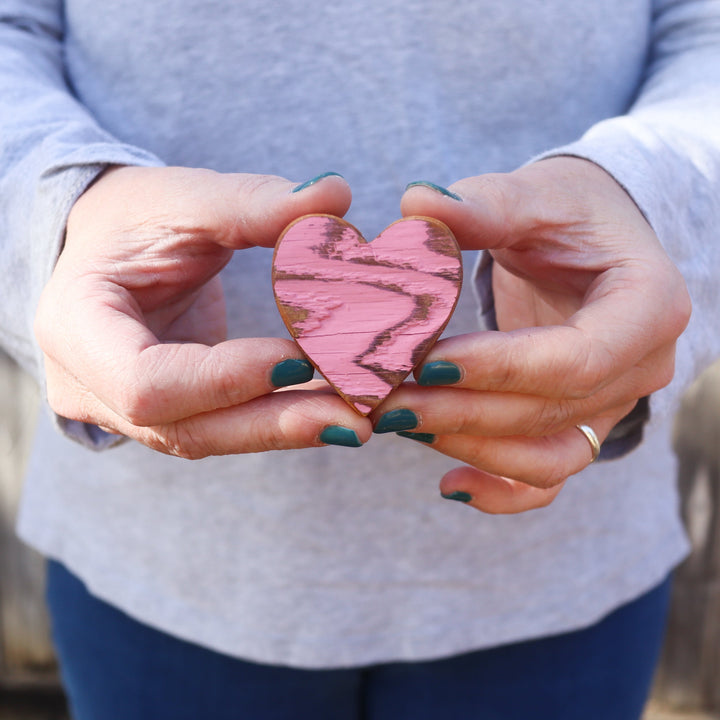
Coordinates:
[589,308]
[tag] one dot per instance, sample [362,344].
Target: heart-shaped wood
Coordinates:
[366,314]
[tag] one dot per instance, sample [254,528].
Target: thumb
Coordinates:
[255,209]
[484,212]
[234,210]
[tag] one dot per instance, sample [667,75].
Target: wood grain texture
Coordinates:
[366,314]
[689,674]
[26,654]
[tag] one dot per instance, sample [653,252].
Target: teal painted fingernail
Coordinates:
[338,435]
[420,437]
[439,373]
[433,186]
[291,372]
[314,180]
[394,420]
[458,495]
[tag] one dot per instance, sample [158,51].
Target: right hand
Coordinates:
[589,308]
[132,321]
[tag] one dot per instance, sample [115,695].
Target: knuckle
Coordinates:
[657,371]
[254,189]
[136,405]
[267,433]
[682,309]
[57,397]
[545,480]
[506,372]
[501,191]
[41,327]
[300,423]
[140,398]
[182,440]
[464,418]
[67,398]
[545,500]
[678,307]
[550,415]
[48,326]
[664,374]
[550,473]
[563,412]
[587,371]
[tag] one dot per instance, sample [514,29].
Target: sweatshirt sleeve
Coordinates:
[51,149]
[666,153]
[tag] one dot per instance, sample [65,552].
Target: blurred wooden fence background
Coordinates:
[26,657]
[689,676]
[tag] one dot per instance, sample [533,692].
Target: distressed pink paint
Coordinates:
[366,313]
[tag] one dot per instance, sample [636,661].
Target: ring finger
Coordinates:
[542,462]
[458,411]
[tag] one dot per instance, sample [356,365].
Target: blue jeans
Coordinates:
[115,668]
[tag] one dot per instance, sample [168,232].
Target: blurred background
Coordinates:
[687,686]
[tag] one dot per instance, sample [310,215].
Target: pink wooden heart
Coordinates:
[366,313]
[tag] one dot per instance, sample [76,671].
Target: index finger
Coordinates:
[147,382]
[596,347]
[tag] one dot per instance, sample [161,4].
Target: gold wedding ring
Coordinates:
[592,438]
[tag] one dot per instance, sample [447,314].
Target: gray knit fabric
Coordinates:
[336,556]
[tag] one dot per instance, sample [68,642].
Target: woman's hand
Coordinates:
[589,307]
[132,322]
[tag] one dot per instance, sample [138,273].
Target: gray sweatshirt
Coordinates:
[335,556]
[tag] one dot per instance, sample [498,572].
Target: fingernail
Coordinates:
[314,180]
[394,420]
[420,437]
[458,495]
[439,373]
[291,372]
[433,186]
[338,435]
